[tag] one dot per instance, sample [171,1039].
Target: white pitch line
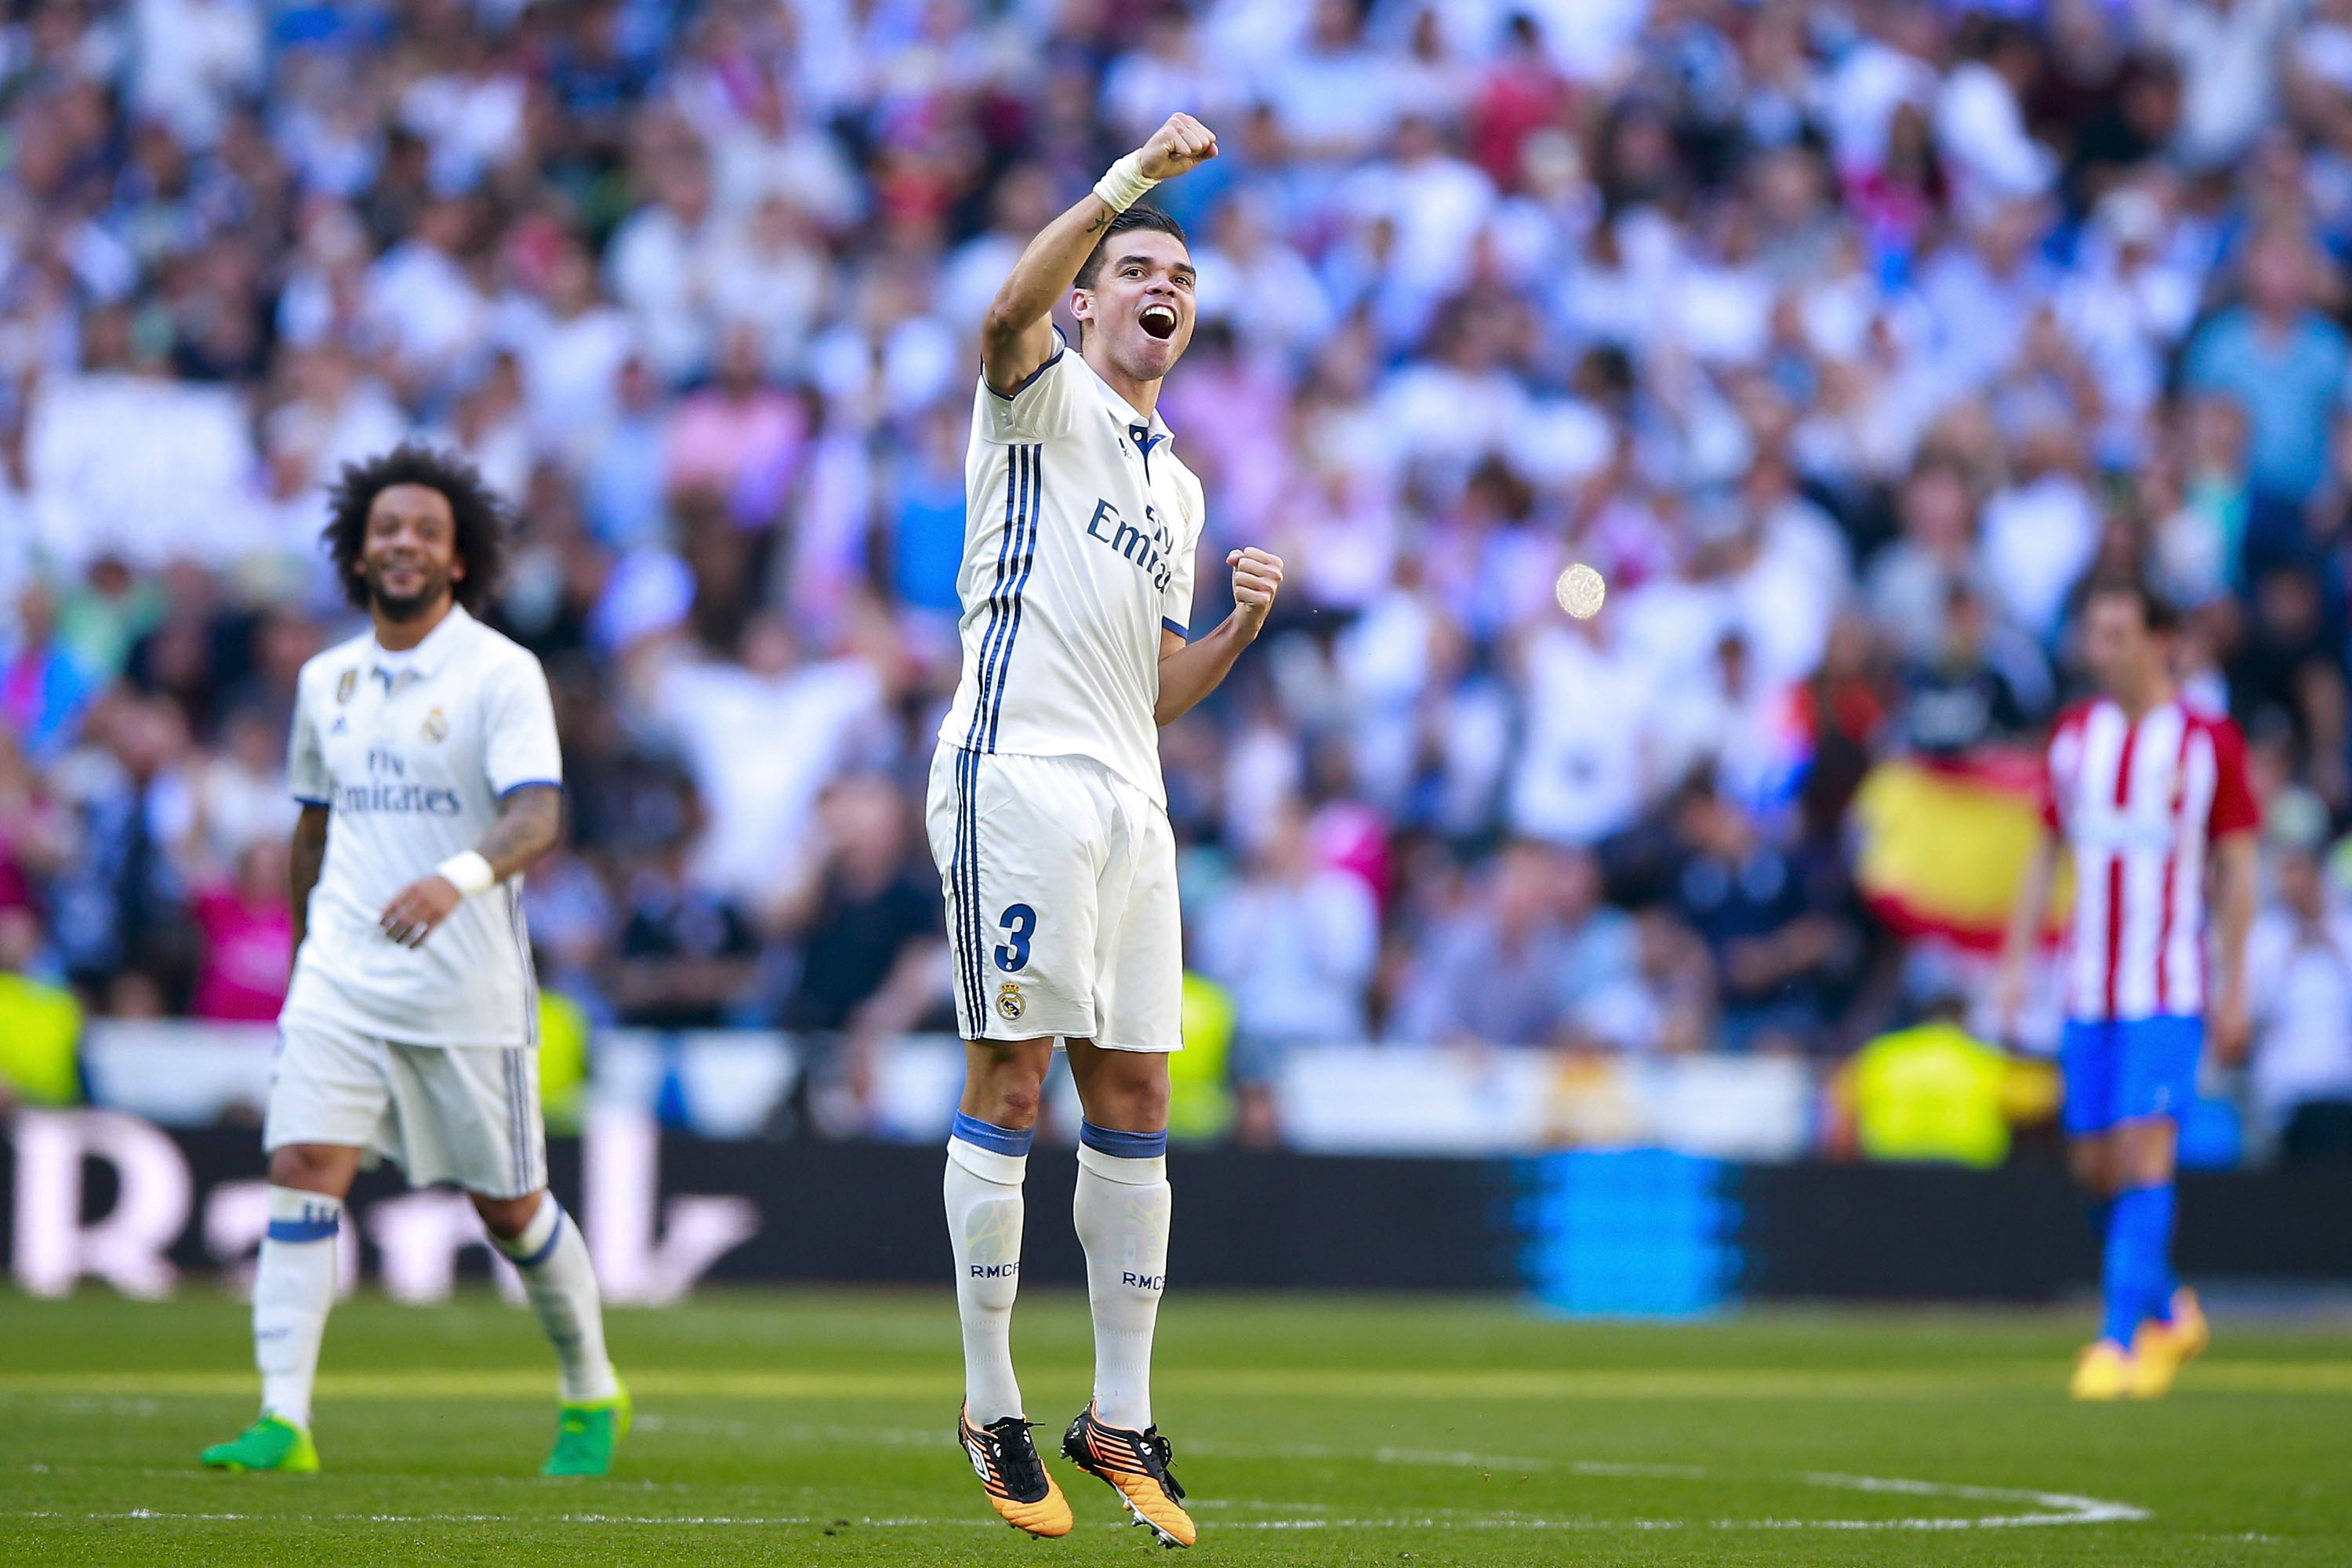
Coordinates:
[2050,1509]
[2091,1512]
[2060,1508]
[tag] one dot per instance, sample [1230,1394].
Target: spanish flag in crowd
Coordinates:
[1944,844]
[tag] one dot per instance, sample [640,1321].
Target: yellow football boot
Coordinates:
[1135,1466]
[2104,1372]
[1006,1459]
[2159,1350]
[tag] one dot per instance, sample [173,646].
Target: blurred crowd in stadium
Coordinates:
[1843,338]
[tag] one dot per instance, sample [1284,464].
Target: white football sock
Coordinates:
[984,1218]
[293,1286]
[1122,1209]
[557,1277]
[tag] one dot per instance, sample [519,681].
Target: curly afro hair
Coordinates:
[483,519]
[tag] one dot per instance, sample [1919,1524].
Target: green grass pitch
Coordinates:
[815,1426]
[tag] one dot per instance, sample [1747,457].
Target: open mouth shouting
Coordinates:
[1159,319]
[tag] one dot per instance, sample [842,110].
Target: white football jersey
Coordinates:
[1079,530]
[411,754]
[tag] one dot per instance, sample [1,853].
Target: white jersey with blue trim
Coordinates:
[411,754]
[1079,530]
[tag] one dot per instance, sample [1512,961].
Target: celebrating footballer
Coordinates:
[1048,817]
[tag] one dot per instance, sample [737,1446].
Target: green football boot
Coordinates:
[269,1444]
[586,1435]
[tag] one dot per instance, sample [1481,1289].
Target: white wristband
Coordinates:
[1123,183]
[467,872]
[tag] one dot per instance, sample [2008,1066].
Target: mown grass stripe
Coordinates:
[2329,1378]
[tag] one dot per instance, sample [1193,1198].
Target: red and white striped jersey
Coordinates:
[2139,805]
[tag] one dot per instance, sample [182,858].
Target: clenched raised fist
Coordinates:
[1177,148]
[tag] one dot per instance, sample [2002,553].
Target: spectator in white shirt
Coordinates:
[571,354]
[1253,278]
[195,58]
[2299,962]
[1911,580]
[1981,116]
[336,416]
[1580,771]
[2041,532]
[1167,73]
[1882,70]
[2229,55]
[655,264]
[762,153]
[1335,99]
[761,736]
[1983,295]
[2125,306]
[1436,202]
[471,115]
[422,297]
[1021,204]
[1296,940]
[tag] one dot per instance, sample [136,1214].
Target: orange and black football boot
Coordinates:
[1135,1466]
[1006,1459]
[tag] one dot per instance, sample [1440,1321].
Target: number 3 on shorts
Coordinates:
[1021,922]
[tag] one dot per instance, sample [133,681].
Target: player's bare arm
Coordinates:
[528,821]
[1188,671]
[308,853]
[2025,919]
[1016,336]
[2232,1026]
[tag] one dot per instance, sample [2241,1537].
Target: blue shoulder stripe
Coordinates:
[1061,347]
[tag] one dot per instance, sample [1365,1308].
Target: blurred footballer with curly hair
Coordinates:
[424,756]
[413,525]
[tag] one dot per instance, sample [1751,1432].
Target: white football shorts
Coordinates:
[465,1114]
[1060,879]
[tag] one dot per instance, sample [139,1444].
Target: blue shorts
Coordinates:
[2126,1068]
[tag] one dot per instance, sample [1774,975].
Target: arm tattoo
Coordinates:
[528,820]
[308,852]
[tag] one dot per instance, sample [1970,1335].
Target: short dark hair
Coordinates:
[481,517]
[1135,217]
[2157,613]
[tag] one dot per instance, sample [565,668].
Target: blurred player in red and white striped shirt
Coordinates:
[2152,799]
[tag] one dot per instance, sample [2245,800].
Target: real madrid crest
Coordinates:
[1009,1003]
[346,684]
[435,727]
